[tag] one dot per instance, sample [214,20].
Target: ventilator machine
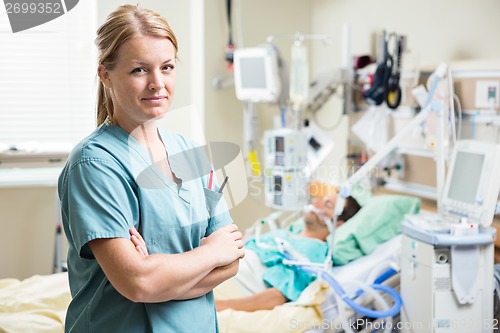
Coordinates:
[447,257]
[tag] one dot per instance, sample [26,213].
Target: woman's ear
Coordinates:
[103,74]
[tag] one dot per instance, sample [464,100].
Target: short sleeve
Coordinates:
[219,217]
[100,203]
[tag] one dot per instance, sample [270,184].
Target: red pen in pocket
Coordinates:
[210,179]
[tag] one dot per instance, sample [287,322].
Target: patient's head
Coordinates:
[322,211]
[351,207]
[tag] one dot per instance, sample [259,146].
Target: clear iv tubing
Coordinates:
[283,117]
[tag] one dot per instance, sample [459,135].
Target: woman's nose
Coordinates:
[155,81]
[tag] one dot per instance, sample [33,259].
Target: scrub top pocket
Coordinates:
[212,199]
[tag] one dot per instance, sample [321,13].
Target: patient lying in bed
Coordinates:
[267,282]
[264,275]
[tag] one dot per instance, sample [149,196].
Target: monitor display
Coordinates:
[257,74]
[314,144]
[253,73]
[466,176]
[280,144]
[278,184]
[472,182]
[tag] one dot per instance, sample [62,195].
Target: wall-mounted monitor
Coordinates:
[256,74]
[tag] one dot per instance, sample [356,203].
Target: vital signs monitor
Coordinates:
[256,74]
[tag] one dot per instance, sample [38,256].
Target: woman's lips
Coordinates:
[154,98]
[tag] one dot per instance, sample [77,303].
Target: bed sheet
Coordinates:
[36,304]
[361,268]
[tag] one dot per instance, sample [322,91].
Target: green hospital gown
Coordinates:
[289,280]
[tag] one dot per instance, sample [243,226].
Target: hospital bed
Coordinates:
[38,304]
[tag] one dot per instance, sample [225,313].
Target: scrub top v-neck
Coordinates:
[109,185]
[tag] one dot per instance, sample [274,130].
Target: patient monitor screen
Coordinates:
[466,176]
[277,184]
[253,73]
[280,144]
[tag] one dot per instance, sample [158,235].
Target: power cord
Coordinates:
[229,52]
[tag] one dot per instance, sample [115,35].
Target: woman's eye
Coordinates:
[168,67]
[138,70]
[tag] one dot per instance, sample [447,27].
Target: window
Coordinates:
[48,80]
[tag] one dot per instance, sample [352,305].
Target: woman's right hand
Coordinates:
[226,243]
[138,241]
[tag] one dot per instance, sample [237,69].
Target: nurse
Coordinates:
[123,177]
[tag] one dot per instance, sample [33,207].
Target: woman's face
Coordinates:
[142,82]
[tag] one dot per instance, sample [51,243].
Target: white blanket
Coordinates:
[37,304]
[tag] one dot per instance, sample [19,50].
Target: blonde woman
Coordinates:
[117,286]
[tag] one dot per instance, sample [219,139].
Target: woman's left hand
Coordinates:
[138,241]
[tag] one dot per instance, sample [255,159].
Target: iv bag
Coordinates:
[299,76]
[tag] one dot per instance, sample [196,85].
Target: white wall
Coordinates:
[28,221]
[438,30]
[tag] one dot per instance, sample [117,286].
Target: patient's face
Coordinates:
[326,205]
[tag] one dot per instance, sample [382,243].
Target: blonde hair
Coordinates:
[126,22]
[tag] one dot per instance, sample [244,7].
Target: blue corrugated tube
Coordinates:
[394,310]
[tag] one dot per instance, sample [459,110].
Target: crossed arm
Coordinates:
[162,277]
[265,300]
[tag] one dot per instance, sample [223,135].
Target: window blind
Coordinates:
[48,80]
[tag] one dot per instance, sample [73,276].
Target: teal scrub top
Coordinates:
[289,280]
[110,185]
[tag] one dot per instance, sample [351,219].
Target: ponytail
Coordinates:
[104,104]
